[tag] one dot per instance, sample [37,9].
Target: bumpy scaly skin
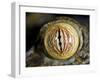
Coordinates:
[61,38]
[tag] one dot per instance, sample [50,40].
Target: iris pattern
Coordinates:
[61,40]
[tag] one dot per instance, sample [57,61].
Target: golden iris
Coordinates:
[62,39]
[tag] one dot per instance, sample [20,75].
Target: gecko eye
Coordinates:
[61,39]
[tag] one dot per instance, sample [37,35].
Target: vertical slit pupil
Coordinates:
[59,37]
